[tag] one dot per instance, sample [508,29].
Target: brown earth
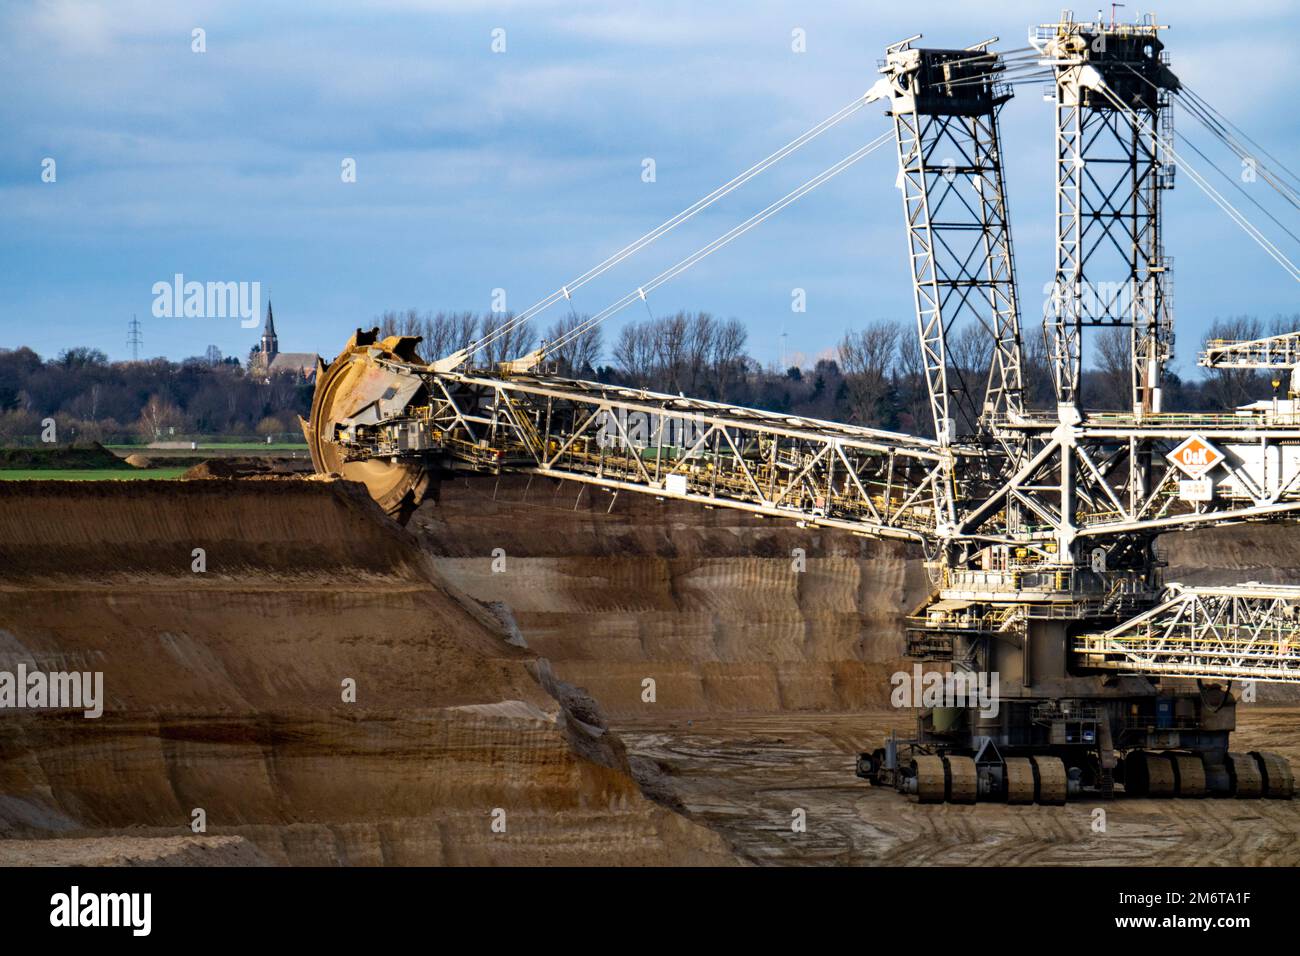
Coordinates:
[223,687]
[704,602]
[245,467]
[223,692]
[769,682]
[132,851]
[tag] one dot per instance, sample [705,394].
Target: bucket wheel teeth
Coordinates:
[1052,787]
[397,487]
[1020,780]
[931,779]
[963,779]
[1245,776]
[1279,782]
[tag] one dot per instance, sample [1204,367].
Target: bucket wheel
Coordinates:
[397,486]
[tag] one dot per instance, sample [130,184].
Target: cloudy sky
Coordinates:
[518,170]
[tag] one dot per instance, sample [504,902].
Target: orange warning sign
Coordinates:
[1195,457]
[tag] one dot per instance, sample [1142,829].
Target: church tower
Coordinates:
[270,345]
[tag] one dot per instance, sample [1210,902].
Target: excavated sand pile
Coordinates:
[224,692]
[707,603]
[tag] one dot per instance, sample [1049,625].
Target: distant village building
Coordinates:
[266,357]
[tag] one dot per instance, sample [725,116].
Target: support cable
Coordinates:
[703,252]
[691,211]
[1233,213]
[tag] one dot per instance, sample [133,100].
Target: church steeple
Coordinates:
[270,344]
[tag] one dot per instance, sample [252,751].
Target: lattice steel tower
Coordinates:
[1111,172]
[945,106]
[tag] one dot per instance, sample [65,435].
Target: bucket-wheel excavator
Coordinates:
[1039,526]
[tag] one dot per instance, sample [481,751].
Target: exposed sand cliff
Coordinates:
[707,603]
[482,689]
[224,690]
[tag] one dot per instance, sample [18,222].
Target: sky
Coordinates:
[479,169]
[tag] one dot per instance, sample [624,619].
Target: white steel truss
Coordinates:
[945,107]
[1246,631]
[1023,514]
[1110,175]
[1275,351]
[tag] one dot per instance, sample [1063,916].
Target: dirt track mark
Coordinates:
[742,776]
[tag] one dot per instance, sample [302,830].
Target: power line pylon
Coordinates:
[134,339]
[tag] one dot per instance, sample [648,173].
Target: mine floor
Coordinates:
[745,776]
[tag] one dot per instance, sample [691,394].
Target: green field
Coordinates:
[87,474]
[217,445]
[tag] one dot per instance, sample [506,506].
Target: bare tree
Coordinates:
[634,353]
[698,344]
[1285,324]
[970,355]
[728,357]
[1115,365]
[916,401]
[1036,369]
[867,360]
[441,334]
[157,416]
[669,338]
[508,341]
[578,354]
[436,332]
[1231,387]
[447,332]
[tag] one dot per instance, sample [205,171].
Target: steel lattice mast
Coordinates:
[945,106]
[1111,173]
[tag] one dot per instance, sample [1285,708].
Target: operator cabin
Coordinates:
[265,358]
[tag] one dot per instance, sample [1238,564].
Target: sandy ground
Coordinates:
[745,776]
[131,851]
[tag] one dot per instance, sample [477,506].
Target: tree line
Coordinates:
[92,399]
[874,376]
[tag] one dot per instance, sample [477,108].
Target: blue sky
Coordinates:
[519,170]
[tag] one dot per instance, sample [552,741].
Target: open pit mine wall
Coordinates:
[224,692]
[708,603]
[223,687]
